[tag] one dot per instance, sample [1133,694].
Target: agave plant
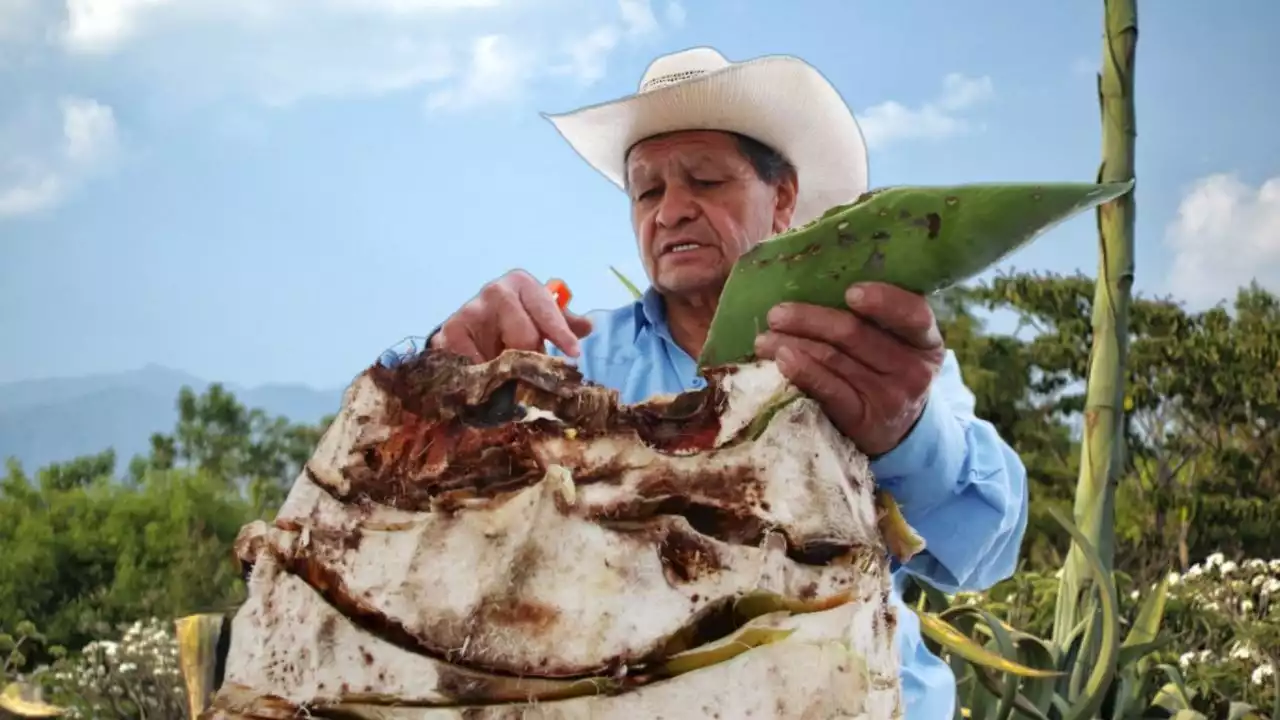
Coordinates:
[998,684]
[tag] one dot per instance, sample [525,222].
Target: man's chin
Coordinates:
[691,283]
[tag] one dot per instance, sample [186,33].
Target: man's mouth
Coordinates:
[681,247]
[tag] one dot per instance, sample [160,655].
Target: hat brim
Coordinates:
[780,101]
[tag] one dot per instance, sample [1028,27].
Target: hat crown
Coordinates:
[681,66]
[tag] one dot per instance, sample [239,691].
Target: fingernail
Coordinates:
[784,357]
[777,314]
[762,343]
[854,295]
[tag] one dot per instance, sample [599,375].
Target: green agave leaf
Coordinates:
[941,632]
[934,599]
[1135,654]
[1087,705]
[1009,695]
[1242,711]
[923,239]
[760,631]
[753,604]
[780,400]
[901,539]
[1031,697]
[1146,626]
[631,287]
[1275,710]
[11,701]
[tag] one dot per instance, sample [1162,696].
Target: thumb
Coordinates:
[579,324]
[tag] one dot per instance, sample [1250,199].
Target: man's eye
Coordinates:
[708,183]
[648,194]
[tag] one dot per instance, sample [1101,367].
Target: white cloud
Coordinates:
[84,142]
[637,17]
[106,26]
[496,71]
[1226,233]
[940,118]
[588,55]
[99,26]
[230,55]
[281,52]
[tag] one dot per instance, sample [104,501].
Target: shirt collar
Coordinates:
[651,312]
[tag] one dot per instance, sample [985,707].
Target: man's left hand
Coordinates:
[869,367]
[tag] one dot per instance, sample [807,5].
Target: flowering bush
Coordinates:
[1226,617]
[1222,617]
[136,677]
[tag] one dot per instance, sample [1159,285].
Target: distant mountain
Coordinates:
[55,419]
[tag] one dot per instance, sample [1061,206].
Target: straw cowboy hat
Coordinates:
[778,100]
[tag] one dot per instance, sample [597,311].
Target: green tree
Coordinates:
[1203,421]
[245,448]
[83,551]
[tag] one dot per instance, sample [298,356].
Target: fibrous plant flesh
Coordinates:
[505,540]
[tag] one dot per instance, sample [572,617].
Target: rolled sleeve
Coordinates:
[962,488]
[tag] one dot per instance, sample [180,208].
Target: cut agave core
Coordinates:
[505,540]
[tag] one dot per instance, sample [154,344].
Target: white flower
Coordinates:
[1194,571]
[1134,595]
[1228,567]
[1262,674]
[1274,565]
[1186,658]
[1254,564]
[1214,559]
[1173,578]
[1241,651]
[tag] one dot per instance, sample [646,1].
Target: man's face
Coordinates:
[697,205]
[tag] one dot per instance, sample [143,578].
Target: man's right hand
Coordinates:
[514,312]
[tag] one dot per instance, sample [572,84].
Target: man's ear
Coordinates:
[784,207]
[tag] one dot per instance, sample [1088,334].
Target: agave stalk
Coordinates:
[1103,450]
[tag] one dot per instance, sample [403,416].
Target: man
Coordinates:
[715,158]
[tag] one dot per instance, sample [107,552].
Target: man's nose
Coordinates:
[676,206]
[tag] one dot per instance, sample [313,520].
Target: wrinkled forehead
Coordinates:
[683,150]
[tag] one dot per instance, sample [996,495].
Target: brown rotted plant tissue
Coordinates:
[505,540]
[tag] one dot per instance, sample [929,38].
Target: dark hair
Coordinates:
[770,165]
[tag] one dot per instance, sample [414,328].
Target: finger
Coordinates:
[540,306]
[455,337]
[852,335]
[878,393]
[579,324]
[905,314]
[517,330]
[842,404]
[850,369]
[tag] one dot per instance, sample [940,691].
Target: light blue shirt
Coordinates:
[961,487]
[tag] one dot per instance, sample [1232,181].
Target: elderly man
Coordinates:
[716,157]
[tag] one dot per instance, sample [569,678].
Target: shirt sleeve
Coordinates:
[961,487]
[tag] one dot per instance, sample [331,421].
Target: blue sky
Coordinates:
[276,190]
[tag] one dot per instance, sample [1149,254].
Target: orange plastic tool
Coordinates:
[561,293]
